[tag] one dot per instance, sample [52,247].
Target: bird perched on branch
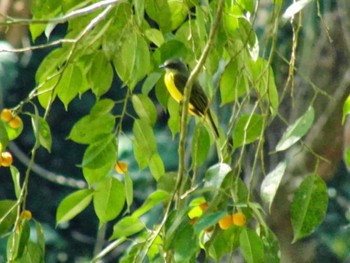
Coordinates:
[175,78]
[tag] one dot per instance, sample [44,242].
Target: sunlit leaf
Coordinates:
[271,182]
[295,8]
[216,174]
[156,166]
[309,206]
[155,36]
[16,180]
[102,107]
[4,139]
[127,226]
[69,85]
[42,131]
[100,75]
[145,108]
[297,130]
[73,204]
[109,199]
[346,109]
[248,129]
[152,200]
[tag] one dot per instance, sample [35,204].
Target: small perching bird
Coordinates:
[175,79]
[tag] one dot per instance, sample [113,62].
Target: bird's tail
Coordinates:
[212,124]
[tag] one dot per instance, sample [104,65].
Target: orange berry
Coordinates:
[225,222]
[15,122]
[239,219]
[6,115]
[6,159]
[121,167]
[203,206]
[194,220]
[26,214]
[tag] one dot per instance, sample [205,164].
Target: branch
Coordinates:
[58,20]
[187,94]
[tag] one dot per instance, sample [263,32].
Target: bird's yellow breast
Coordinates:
[173,90]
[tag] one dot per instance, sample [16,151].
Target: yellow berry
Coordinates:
[225,222]
[6,159]
[15,122]
[6,115]
[239,219]
[121,167]
[26,214]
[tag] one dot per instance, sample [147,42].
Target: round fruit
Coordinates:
[6,159]
[121,167]
[225,222]
[26,214]
[15,122]
[239,219]
[6,115]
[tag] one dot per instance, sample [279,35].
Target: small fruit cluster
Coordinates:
[6,159]
[237,219]
[13,120]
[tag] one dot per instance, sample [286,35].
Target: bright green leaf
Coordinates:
[155,36]
[109,199]
[174,120]
[7,218]
[89,128]
[127,226]
[42,131]
[346,109]
[132,63]
[309,206]
[271,182]
[129,189]
[101,152]
[4,139]
[297,130]
[152,200]
[248,129]
[102,107]
[16,180]
[150,82]
[144,138]
[73,204]
[216,174]
[252,246]
[156,166]
[69,85]
[100,75]
[95,175]
[145,108]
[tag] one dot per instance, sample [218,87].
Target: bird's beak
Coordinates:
[161,66]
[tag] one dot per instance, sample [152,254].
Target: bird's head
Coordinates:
[174,65]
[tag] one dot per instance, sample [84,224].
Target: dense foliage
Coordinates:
[209,198]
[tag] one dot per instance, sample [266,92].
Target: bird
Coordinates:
[175,79]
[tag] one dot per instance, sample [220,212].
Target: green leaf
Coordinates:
[309,206]
[109,199]
[145,140]
[248,129]
[7,218]
[295,8]
[200,145]
[346,109]
[132,63]
[216,174]
[102,107]
[69,85]
[167,182]
[207,220]
[91,127]
[100,75]
[42,131]
[246,4]
[23,238]
[252,246]
[297,130]
[271,182]
[73,204]
[145,109]
[101,153]
[152,200]
[224,242]
[174,119]
[95,175]
[47,92]
[271,247]
[4,139]
[233,84]
[127,226]
[150,82]
[155,36]
[129,189]
[170,49]
[16,180]
[40,237]
[156,166]
[185,243]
